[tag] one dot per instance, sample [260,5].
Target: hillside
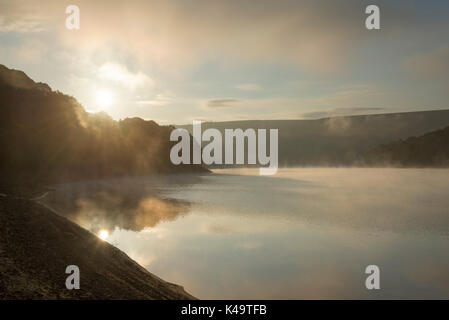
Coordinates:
[339,141]
[47,136]
[36,246]
[428,150]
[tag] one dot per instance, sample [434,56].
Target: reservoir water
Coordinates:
[300,234]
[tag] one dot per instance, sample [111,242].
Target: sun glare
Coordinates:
[103,234]
[104,98]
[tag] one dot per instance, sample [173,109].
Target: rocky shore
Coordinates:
[36,246]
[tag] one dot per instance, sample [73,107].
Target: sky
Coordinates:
[175,61]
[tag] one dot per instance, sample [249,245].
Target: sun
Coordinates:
[103,234]
[104,98]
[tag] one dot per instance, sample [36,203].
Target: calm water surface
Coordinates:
[303,233]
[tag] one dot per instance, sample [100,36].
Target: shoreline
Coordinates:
[37,244]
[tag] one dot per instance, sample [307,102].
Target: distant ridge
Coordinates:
[428,150]
[339,141]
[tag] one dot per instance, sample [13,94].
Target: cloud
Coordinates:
[16,24]
[315,35]
[216,228]
[159,100]
[344,100]
[28,51]
[432,64]
[221,103]
[249,87]
[191,48]
[23,16]
[347,100]
[248,245]
[339,112]
[120,74]
[259,104]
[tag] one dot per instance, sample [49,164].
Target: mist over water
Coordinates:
[303,233]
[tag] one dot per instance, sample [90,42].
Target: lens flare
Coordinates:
[104,98]
[103,234]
